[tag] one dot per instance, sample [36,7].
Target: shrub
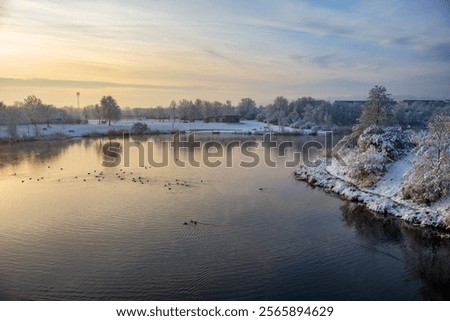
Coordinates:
[369,154]
[139,128]
[391,141]
[424,184]
[367,166]
[429,178]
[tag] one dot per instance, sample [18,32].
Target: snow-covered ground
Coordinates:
[154,127]
[384,197]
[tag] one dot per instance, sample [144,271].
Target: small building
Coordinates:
[434,102]
[362,102]
[231,118]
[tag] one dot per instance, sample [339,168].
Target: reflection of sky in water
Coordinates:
[261,234]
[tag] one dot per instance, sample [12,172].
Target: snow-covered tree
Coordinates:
[429,179]
[14,116]
[183,109]
[378,110]
[247,108]
[32,104]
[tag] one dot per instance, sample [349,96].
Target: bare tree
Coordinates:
[2,113]
[98,112]
[13,118]
[247,108]
[47,112]
[439,127]
[32,104]
[173,112]
[184,107]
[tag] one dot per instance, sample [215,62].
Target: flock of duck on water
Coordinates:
[121,176]
[99,176]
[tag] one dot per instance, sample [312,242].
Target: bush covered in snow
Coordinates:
[368,154]
[429,179]
[139,128]
[366,166]
[390,141]
[425,184]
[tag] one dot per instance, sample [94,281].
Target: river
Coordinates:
[66,234]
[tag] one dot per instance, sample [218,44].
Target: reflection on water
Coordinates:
[74,230]
[424,253]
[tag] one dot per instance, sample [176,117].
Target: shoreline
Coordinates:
[94,130]
[431,216]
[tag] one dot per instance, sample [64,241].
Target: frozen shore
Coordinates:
[384,197]
[93,128]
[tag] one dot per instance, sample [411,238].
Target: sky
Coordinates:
[148,53]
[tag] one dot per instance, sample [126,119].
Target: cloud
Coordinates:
[3,8]
[261,46]
[323,61]
[407,41]
[438,52]
[59,83]
[221,56]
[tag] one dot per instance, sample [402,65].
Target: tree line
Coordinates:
[302,113]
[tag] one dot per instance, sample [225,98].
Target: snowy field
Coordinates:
[154,127]
[384,197]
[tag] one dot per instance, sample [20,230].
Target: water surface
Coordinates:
[261,235]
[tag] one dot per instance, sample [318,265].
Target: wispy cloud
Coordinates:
[438,52]
[225,48]
[60,83]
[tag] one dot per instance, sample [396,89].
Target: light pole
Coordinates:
[78,99]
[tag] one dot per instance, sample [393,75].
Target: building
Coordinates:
[232,118]
[409,102]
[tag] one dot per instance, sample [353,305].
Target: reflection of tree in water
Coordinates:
[36,153]
[371,227]
[428,258]
[426,254]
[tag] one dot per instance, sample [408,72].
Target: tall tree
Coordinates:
[47,112]
[13,117]
[34,110]
[98,111]
[279,110]
[32,106]
[378,110]
[247,108]
[429,178]
[111,110]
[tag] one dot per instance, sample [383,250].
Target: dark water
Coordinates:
[261,235]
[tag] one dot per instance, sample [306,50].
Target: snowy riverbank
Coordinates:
[383,197]
[93,127]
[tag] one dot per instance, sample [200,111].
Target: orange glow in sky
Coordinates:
[148,53]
